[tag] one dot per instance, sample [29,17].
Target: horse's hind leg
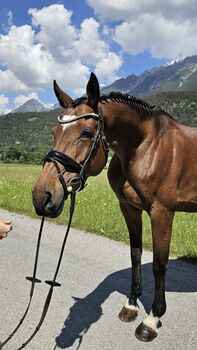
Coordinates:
[133,219]
[161,221]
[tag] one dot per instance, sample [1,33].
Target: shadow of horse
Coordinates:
[181,277]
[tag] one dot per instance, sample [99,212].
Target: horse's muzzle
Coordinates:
[47,204]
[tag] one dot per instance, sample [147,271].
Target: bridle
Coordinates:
[70,165]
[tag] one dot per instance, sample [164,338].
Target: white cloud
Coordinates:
[4,101]
[33,65]
[131,9]
[31,59]
[6,26]
[57,33]
[163,38]
[113,10]
[165,28]
[107,66]
[9,82]
[90,47]
[10,18]
[21,99]
[96,52]
[26,60]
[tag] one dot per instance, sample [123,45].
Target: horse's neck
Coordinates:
[123,124]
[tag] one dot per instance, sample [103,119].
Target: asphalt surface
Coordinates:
[95,280]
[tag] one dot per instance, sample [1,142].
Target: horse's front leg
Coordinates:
[133,219]
[161,222]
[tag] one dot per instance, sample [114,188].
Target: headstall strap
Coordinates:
[70,164]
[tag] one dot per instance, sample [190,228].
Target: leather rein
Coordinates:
[70,165]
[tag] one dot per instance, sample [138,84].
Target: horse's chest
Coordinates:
[131,196]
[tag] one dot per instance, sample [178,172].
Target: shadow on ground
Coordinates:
[181,277]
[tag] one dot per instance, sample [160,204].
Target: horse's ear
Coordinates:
[93,90]
[62,97]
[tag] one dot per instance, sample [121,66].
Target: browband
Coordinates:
[73,118]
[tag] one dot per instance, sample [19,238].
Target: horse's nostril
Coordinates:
[47,198]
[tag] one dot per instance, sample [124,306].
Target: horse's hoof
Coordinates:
[145,333]
[128,315]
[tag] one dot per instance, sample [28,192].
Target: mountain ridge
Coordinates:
[31,105]
[178,75]
[36,128]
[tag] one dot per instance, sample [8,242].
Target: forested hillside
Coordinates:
[26,137]
[181,105]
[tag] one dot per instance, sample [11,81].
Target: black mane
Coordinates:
[139,105]
[78,101]
[134,102]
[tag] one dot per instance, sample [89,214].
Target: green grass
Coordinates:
[97,209]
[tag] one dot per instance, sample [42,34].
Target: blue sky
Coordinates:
[65,40]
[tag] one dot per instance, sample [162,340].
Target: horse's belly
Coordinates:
[187,207]
[187,201]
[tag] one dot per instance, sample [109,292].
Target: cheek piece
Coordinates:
[70,165]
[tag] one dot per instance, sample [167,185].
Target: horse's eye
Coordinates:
[86,134]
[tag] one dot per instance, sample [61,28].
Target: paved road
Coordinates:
[95,279]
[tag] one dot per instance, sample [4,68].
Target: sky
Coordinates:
[66,40]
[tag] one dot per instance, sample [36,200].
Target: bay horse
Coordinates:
[153,168]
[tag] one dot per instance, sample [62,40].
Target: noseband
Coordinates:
[70,165]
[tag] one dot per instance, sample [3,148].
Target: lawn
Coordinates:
[97,209]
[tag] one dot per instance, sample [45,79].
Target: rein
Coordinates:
[53,283]
[69,165]
[33,280]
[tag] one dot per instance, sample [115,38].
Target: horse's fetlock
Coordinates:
[133,300]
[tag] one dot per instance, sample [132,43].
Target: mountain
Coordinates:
[35,129]
[28,129]
[31,105]
[181,105]
[28,136]
[178,75]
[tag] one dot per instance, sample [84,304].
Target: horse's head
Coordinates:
[79,150]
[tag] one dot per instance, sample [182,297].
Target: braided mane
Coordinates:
[139,105]
[134,102]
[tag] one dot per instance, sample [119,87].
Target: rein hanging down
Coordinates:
[52,283]
[69,165]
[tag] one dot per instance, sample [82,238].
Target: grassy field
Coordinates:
[97,209]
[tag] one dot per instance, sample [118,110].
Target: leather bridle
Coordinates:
[70,165]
